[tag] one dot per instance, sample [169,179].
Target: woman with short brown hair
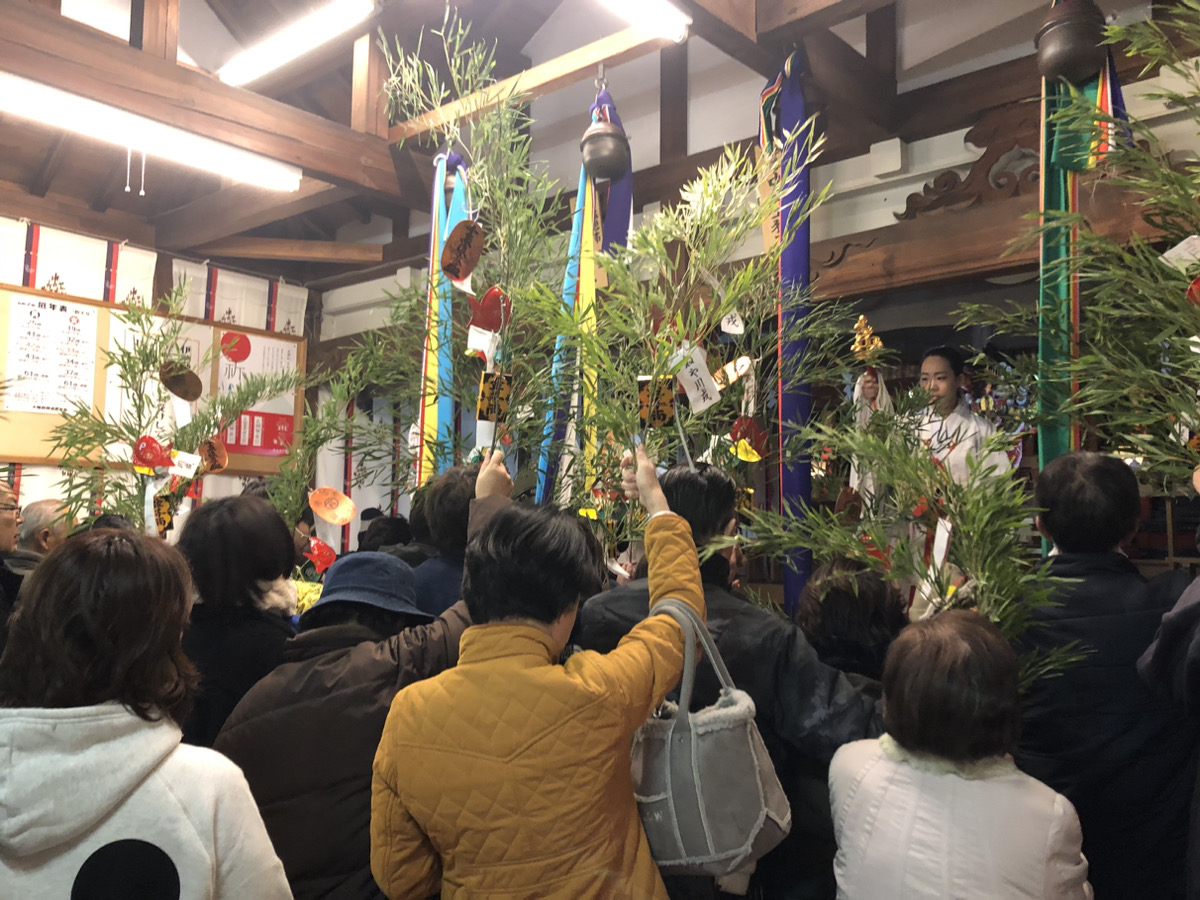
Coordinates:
[101,799]
[936,807]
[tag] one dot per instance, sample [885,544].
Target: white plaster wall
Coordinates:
[359,307]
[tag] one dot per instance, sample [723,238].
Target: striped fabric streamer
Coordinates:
[1065,154]
[555,427]
[436,423]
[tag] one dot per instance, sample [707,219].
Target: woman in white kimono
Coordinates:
[870,396]
[948,428]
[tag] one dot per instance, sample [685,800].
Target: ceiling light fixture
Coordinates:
[294,40]
[46,105]
[654,17]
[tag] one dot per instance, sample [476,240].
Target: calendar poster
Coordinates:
[51,364]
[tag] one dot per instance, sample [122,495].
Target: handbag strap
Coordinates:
[693,629]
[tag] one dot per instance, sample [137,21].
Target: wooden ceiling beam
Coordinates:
[70,214]
[154,27]
[673,101]
[61,53]
[570,68]
[51,163]
[849,82]
[719,24]
[293,250]
[240,208]
[786,21]
[882,41]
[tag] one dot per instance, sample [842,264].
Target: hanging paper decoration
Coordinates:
[436,422]
[489,314]
[695,379]
[495,392]
[731,372]
[164,515]
[784,113]
[150,454]
[214,456]
[748,430]
[332,505]
[181,381]
[656,402]
[321,554]
[463,250]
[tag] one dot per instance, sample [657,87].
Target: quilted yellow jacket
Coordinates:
[508,776]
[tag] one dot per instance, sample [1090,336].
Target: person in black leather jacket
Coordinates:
[805,709]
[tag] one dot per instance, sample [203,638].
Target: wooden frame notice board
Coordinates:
[51,345]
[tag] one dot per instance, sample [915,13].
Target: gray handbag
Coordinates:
[706,789]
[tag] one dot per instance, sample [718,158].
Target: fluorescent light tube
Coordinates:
[294,40]
[38,102]
[654,17]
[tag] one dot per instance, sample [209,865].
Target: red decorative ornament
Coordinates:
[150,454]
[1193,292]
[235,347]
[492,311]
[748,430]
[321,554]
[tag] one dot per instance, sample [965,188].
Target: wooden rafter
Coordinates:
[570,68]
[240,208]
[789,20]
[74,215]
[849,83]
[293,250]
[882,40]
[154,27]
[63,54]
[50,165]
[732,34]
[368,104]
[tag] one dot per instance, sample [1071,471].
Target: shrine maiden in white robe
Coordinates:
[958,437]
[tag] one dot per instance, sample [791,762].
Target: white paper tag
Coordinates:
[1184,253]
[182,410]
[485,433]
[732,323]
[941,543]
[485,342]
[183,464]
[702,391]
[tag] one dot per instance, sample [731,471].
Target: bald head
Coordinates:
[46,525]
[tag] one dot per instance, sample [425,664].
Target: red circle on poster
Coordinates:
[235,347]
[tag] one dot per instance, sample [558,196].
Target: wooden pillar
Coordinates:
[368,107]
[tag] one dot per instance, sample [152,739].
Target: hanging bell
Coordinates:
[605,150]
[1069,42]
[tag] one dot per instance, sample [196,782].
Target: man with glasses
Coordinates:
[10,530]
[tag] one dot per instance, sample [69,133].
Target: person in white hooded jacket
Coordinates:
[98,797]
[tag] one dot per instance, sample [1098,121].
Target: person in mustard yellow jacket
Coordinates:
[509,775]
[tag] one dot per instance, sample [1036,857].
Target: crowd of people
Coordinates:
[454,715]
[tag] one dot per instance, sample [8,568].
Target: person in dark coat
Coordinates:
[241,555]
[1095,732]
[438,581]
[305,736]
[805,709]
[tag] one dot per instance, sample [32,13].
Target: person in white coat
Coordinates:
[948,428]
[936,808]
[99,798]
[870,396]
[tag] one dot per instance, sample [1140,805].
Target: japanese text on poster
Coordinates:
[51,355]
